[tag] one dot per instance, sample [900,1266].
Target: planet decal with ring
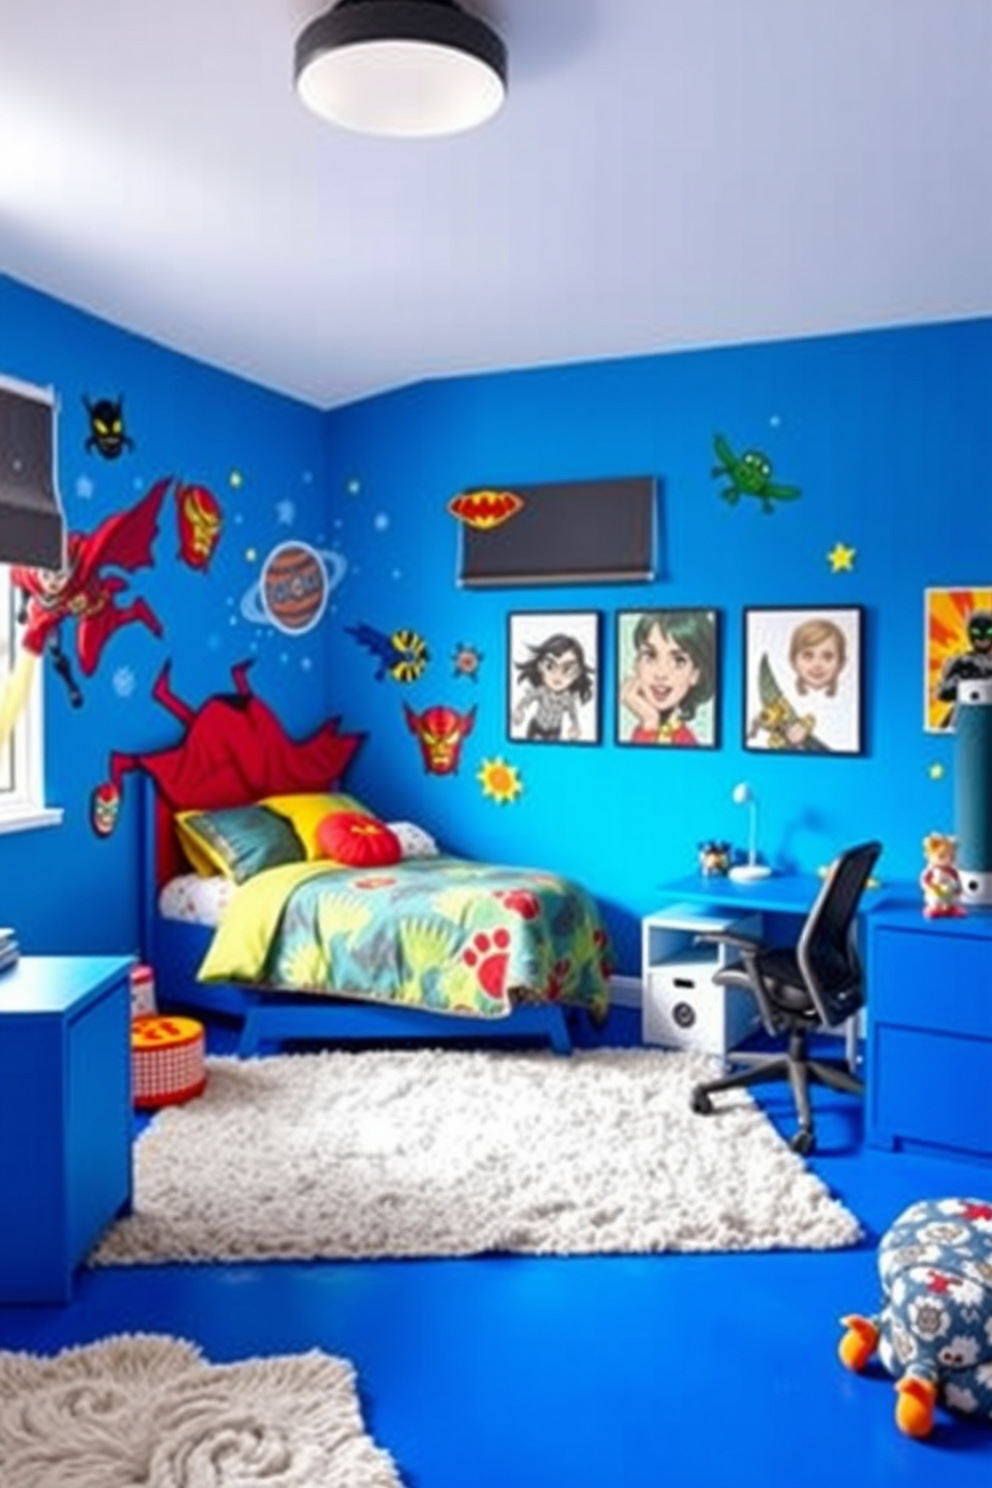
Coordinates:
[293,588]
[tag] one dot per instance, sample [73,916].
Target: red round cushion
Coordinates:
[358,840]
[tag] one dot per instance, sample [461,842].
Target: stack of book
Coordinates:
[9,949]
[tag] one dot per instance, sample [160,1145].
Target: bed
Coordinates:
[430,947]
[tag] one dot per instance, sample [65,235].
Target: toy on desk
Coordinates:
[751,870]
[940,879]
[934,1330]
[714,858]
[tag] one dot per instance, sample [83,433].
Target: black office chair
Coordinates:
[817,984]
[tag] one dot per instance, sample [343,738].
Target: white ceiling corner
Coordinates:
[665,174]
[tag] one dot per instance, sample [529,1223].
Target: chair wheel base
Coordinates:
[701,1103]
[803,1142]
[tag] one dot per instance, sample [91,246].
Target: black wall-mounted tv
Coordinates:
[564,532]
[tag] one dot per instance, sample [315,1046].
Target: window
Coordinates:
[22,754]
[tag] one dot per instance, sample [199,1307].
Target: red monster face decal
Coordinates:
[199,517]
[441,731]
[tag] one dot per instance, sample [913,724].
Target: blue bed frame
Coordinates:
[174,949]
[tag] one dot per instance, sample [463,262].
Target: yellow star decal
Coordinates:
[936,772]
[841,558]
[236,478]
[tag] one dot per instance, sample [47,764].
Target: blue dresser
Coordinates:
[65,1117]
[929,1058]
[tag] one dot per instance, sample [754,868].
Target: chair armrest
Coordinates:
[730,938]
[748,975]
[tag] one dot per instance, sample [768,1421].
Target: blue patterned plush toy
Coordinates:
[934,1331]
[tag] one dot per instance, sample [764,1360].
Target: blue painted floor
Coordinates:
[617,1372]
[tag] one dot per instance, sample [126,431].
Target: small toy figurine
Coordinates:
[940,880]
[714,859]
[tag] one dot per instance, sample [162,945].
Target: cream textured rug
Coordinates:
[146,1411]
[443,1152]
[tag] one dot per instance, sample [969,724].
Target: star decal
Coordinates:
[936,772]
[841,558]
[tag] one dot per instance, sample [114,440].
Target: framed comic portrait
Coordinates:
[553,676]
[957,647]
[668,678]
[802,679]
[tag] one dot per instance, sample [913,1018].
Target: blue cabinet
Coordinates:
[65,1117]
[929,1073]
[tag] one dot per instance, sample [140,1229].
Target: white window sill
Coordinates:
[26,818]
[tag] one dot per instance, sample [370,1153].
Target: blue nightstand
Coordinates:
[65,1117]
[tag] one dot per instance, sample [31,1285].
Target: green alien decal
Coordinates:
[749,475]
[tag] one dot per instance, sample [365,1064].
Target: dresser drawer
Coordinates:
[922,979]
[930,1089]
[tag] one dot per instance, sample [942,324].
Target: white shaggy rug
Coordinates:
[147,1411]
[443,1152]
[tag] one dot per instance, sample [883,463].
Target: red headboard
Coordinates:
[235,751]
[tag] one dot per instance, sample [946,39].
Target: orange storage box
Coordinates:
[167,1060]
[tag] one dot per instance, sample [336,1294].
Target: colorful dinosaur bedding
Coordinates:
[442,934]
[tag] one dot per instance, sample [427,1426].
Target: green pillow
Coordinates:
[238,841]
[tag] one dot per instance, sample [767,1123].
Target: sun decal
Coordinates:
[500,781]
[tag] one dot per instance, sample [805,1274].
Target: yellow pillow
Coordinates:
[307,810]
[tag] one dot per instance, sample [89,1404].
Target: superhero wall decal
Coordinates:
[485,509]
[749,474]
[199,520]
[441,732]
[107,436]
[86,591]
[402,655]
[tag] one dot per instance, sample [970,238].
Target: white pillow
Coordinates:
[414,840]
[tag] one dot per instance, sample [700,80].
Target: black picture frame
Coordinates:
[539,645]
[668,677]
[803,684]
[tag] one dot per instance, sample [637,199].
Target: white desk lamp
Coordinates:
[752,870]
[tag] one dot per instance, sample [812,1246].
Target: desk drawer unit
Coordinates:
[929,1085]
[685,1009]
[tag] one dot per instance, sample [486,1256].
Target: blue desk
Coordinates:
[790,895]
[780,893]
[928,1009]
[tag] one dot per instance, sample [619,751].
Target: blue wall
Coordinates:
[62,887]
[886,434]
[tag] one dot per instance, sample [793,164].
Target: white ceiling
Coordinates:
[666,173]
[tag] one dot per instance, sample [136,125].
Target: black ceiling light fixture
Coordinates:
[401,67]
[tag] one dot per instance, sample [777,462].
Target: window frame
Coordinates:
[22,757]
